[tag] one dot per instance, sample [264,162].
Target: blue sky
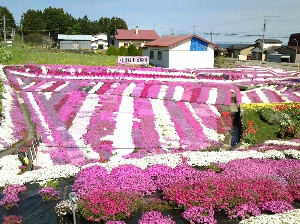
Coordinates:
[230,21]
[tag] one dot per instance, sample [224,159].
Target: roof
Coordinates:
[272,48]
[257,49]
[170,41]
[131,35]
[289,47]
[294,39]
[74,37]
[241,46]
[270,41]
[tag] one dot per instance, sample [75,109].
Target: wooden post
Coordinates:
[100,154]
[36,162]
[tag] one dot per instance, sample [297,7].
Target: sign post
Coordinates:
[133,60]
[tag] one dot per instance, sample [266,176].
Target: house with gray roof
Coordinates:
[240,49]
[292,48]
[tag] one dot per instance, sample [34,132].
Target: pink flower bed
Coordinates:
[77,107]
[242,188]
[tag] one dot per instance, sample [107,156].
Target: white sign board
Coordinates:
[134,60]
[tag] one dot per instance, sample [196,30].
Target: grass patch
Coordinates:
[26,55]
[280,121]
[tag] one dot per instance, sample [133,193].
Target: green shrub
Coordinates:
[140,51]
[50,183]
[123,51]
[132,51]
[5,55]
[112,50]
[270,115]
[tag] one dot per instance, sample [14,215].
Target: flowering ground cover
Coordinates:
[12,119]
[152,128]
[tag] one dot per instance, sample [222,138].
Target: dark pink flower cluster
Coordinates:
[224,193]
[11,198]
[275,206]
[244,211]
[12,219]
[239,187]
[198,214]
[102,204]
[48,193]
[155,217]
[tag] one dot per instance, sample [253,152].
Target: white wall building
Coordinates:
[99,41]
[188,51]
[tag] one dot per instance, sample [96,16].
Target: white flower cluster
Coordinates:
[9,169]
[205,158]
[281,142]
[292,153]
[164,126]
[6,127]
[290,217]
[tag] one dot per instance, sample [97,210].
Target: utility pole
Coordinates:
[263,39]
[211,35]
[22,32]
[4,31]
[194,29]
[172,32]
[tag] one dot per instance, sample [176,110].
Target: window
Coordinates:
[125,44]
[151,54]
[159,55]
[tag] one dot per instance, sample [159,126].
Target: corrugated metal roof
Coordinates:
[74,37]
[132,35]
[169,41]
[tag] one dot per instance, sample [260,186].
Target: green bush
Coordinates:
[270,115]
[123,51]
[112,50]
[5,55]
[132,51]
[140,51]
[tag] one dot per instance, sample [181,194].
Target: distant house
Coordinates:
[99,41]
[292,49]
[188,51]
[266,43]
[239,49]
[137,37]
[264,47]
[256,54]
[74,42]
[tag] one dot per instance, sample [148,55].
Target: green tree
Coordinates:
[56,20]
[103,25]
[10,24]
[116,23]
[87,26]
[112,50]
[132,51]
[123,51]
[109,26]
[32,22]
